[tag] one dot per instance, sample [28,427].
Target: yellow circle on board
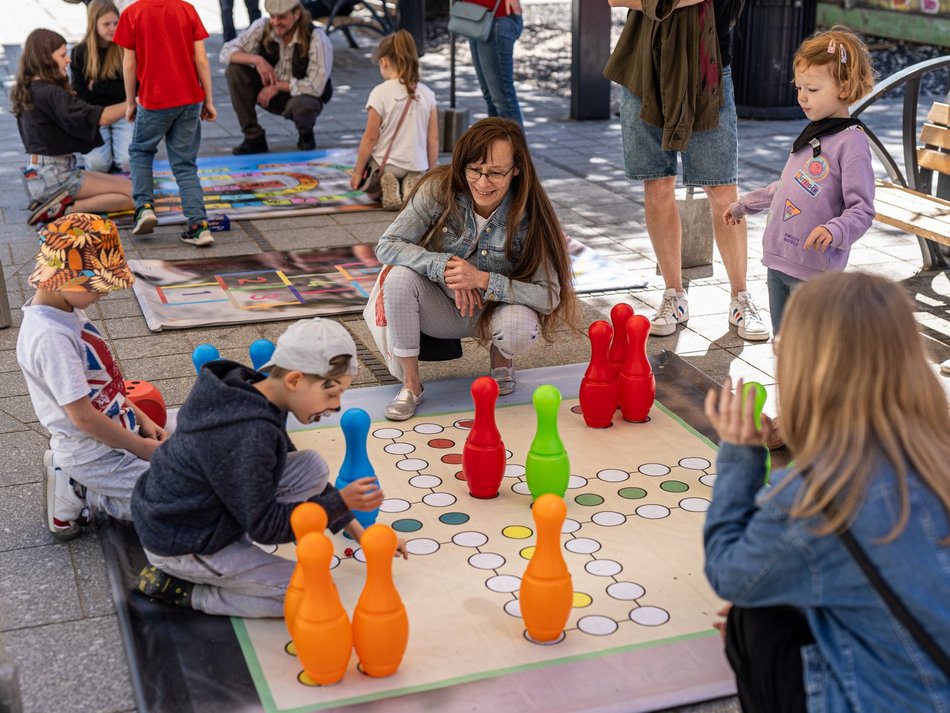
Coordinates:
[517,532]
[527,552]
[291,648]
[304,678]
[581,600]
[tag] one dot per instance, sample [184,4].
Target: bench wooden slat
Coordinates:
[916,213]
[934,160]
[935,135]
[939,114]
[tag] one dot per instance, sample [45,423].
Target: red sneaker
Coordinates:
[51,209]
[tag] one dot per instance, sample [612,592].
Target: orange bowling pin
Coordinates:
[547,591]
[380,624]
[306,518]
[322,635]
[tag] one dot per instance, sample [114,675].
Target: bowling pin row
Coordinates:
[323,634]
[260,353]
[619,372]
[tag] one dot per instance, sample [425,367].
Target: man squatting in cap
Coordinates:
[230,475]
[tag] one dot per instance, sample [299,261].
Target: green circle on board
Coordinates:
[453,518]
[674,486]
[589,499]
[632,493]
[407,525]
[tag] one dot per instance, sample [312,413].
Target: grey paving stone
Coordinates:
[37,587]
[23,516]
[158,367]
[8,424]
[299,239]
[12,383]
[19,408]
[127,327]
[95,595]
[22,457]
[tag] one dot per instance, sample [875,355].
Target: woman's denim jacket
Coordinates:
[399,246]
[862,658]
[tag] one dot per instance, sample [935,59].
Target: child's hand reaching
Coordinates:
[730,219]
[819,239]
[733,419]
[401,549]
[363,495]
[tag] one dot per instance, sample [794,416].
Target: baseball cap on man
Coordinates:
[279,7]
[310,344]
[81,252]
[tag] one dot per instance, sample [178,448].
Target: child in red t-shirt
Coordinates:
[165,53]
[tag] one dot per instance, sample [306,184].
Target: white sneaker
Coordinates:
[66,511]
[745,315]
[674,309]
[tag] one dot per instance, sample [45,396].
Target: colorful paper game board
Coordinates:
[176,294]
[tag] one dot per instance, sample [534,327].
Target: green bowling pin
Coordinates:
[547,467]
[759,404]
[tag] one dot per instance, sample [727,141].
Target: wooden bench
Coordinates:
[917,199]
[377,16]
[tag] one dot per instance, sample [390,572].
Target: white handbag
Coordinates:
[374,314]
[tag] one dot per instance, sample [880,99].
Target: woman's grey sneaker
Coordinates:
[403,407]
[745,315]
[199,235]
[145,220]
[673,310]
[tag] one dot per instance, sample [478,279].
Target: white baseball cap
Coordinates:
[310,344]
[279,7]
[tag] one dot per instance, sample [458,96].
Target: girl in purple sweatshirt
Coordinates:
[824,200]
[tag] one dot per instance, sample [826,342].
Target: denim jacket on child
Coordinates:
[399,246]
[862,658]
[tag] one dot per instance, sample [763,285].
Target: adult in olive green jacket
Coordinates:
[676,100]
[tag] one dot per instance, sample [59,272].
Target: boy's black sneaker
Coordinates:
[145,220]
[198,234]
[156,584]
[306,142]
[249,146]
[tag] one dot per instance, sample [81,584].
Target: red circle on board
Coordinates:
[452,458]
[460,475]
[466,423]
[441,443]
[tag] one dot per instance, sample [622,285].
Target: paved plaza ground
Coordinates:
[57,622]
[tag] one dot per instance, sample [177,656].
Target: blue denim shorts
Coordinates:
[710,159]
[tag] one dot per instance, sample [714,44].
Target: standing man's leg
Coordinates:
[182,142]
[227,19]
[244,84]
[253,10]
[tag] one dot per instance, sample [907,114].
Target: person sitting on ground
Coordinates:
[96,69]
[282,64]
[477,250]
[869,431]
[100,442]
[55,125]
[405,138]
[230,475]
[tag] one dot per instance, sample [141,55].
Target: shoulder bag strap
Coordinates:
[402,117]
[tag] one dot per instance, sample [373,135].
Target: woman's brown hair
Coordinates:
[111,66]
[400,50]
[545,245]
[37,62]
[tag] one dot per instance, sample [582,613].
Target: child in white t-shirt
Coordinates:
[405,142]
[100,443]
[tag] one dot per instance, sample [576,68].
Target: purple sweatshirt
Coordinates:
[834,189]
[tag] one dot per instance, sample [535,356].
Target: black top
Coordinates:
[217,475]
[59,122]
[727,13]
[103,92]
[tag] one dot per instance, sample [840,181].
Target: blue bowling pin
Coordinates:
[260,351]
[202,354]
[355,423]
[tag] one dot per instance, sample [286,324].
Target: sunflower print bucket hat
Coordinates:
[81,252]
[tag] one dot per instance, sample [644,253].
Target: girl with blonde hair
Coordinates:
[869,430]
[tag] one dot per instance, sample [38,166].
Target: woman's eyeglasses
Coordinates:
[473,174]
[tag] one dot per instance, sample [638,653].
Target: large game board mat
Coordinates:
[639,637]
[293,284]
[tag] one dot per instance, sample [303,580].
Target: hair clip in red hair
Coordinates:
[832,46]
[844,54]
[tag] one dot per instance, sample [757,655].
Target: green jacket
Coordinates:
[670,59]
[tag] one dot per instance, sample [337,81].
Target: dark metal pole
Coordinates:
[412,17]
[590,50]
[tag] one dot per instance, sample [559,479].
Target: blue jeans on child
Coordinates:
[495,67]
[780,287]
[180,126]
[115,150]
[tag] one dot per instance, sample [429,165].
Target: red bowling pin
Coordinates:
[380,624]
[483,456]
[598,394]
[322,636]
[636,386]
[547,591]
[306,518]
[619,315]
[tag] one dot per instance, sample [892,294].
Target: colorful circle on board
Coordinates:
[460,475]
[486,560]
[708,480]
[441,443]
[527,552]
[427,429]
[422,546]
[411,464]
[578,410]
[407,525]
[394,505]
[597,625]
[360,556]
[632,493]
[469,538]
[304,678]
[694,504]
[653,512]
[517,532]
[575,482]
[508,454]
[613,475]
[603,568]
[464,424]
[695,463]
[514,470]
[399,449]
[452,458]
[672,486]
[654,470]
[290,649]
[387,433]
[453,518]
[425,481]
[569,525]
[581,600]
[589,499]
[625,591]
[521,488]
[608,518]
[582,546]
[556,641]
[503,583]
[334,562]
[817,168]
[513,608]
[649,616]
[439,500]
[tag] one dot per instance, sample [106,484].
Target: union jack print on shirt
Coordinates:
[106,385]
